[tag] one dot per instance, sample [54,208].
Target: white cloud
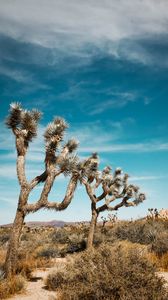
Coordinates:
[119,100]
[23,77]
[8,170]
[147,177]
[92,137]
[70,26]
[136,147]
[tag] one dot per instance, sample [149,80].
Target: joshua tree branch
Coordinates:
[111,208]
[21,171]
[42,177]
[102,196]
[21,153]
[89,191]
[43,201]
[67,149]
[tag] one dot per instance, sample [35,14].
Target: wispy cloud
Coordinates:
[120,99]
[135,148]
[23,77]
[92,137]
[72,27]
[147,177]
[8,170]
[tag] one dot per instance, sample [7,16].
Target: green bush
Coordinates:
[115,273]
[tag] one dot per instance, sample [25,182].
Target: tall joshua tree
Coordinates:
[23,124]
[116,191]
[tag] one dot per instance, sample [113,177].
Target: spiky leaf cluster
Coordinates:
[50,152]
[118,186]
[115,181]
[69,164]
[29,122]
[24,120]
[89,167]
[55,129]
[14,118]
[72,145]
[139,198]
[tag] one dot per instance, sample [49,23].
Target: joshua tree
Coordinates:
[153,213]
[24,127]
[114,186]
[104,220]
[112,218]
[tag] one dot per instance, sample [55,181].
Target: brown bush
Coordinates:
[160,244]
[140,231]
[160,261]
[114,273]
[12,286]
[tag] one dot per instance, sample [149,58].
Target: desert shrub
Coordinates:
[160,244]
[26,263]
[4,238]
[48,252]
[160,261]
[114,273]
[59,236]
[98,238]
[163,262]
[141,231]
[25,267]
[11,286]
[73,240]
[76,247]
[2,257]
[76,243]
[25,237]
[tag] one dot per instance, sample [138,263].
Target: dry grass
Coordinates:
[118,272]
[39,249]
[2,257]
[12,286]
[161,262]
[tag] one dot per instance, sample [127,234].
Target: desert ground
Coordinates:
[128,258]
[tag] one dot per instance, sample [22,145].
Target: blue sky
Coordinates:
[103,66]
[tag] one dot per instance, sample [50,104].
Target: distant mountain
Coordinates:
[53,223]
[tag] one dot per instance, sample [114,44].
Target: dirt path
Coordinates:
[35,288]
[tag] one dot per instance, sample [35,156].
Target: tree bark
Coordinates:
[92,226]
[12,253]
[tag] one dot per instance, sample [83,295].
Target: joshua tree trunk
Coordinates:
[12,253]
[92,226]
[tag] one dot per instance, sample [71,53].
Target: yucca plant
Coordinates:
[23,124]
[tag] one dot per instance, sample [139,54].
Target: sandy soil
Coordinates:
[35,288]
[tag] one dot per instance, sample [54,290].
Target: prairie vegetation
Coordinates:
[123,262]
